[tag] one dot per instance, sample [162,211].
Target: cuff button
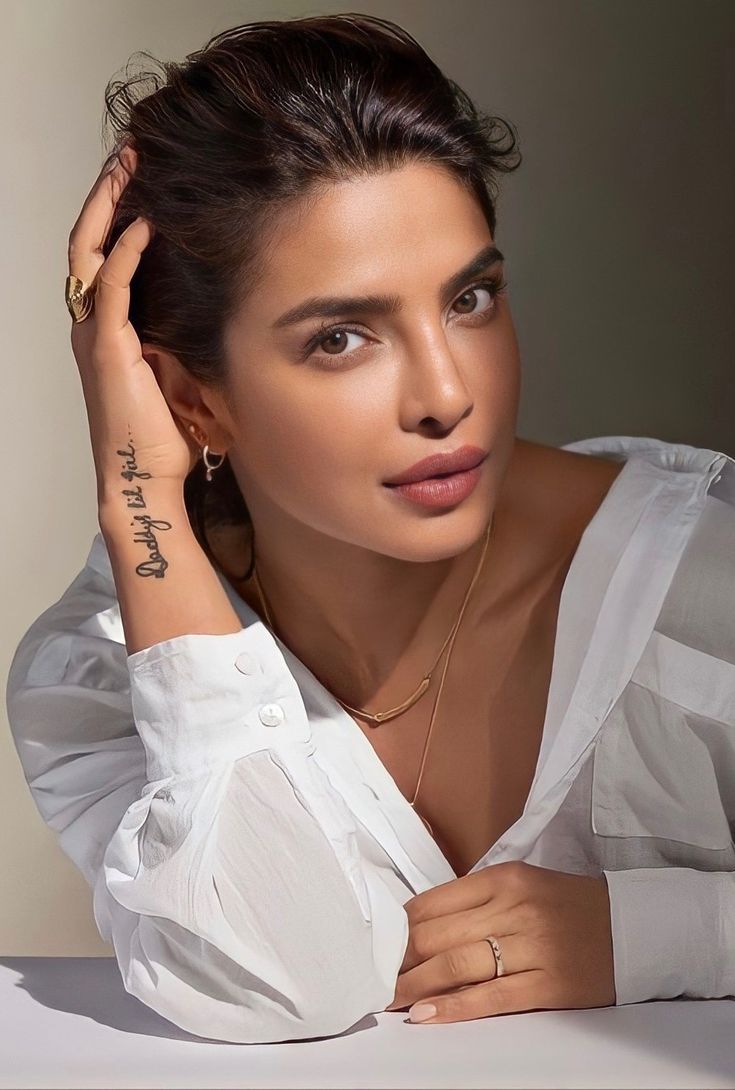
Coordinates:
[271,715]
[246,664]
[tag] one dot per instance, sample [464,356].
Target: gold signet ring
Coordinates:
[79,298]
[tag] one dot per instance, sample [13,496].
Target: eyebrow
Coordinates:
[334,306]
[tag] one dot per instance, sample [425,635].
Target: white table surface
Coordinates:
[68,1022]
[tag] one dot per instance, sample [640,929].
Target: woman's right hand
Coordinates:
[137,443]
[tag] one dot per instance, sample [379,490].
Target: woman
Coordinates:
[454,734]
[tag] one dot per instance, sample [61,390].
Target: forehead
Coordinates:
[370,227]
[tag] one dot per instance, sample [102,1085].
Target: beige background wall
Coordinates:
[618,233]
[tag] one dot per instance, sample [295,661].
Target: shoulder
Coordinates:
[570,471]
[578,475]
[556,491]
[699,608]
[691,653]
[550,494]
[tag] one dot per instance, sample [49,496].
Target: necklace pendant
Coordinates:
[382,717]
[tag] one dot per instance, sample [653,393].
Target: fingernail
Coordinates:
[419,1012]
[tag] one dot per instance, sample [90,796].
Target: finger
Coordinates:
[466,892]
[430,937]
[93,223]
[524,991]
[465,963]
[94,220]
[112,298]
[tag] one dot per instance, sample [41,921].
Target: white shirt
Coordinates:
[249,853]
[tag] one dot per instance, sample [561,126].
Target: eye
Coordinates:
[333,337]
[329,338]
[493,288]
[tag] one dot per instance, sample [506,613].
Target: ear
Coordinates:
[190,400]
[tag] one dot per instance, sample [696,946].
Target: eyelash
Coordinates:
[495,287]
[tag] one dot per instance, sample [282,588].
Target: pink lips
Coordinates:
[446,491]
[440,465]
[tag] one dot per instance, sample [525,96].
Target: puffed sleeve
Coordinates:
[224,866]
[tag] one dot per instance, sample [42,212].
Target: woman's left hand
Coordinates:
[554,934]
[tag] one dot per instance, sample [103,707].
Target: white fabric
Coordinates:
[249,853]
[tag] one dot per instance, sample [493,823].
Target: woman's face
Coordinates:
[320,419]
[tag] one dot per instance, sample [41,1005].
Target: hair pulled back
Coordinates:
[264,115]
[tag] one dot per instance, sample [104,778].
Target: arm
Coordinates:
[224,866]
[673,933]
[166,586]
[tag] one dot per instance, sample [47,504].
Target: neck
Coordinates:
[366,624]
[362,622]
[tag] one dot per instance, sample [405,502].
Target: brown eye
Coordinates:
[332,341]
[469,297]
[328,342]
[471,294]
[492,288]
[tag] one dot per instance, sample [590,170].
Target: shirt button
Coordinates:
[272,715]
[246,664]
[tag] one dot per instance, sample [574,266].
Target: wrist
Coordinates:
[162,501]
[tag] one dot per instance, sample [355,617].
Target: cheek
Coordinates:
[492,378]
[304,447]
[506,386]
[502,378]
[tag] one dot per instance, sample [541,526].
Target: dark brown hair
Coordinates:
[266,114]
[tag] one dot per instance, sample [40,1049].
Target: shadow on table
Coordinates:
[700,1034]
[92,988]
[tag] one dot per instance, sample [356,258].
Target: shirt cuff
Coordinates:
[199,699]
[673,933]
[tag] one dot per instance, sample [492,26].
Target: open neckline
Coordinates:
[402,810]
[575,704]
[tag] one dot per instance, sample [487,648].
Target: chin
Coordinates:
[432,538]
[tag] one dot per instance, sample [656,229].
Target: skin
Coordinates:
[357,578]
[363,586]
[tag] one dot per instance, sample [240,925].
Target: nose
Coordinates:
[434,383]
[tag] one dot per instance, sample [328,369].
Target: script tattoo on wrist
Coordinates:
[155,565]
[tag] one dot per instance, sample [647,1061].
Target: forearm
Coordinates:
[166,585]
[673,931]
[226,869]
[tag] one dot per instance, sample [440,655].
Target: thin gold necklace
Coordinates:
[381,717]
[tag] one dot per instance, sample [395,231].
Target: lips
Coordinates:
[440,465]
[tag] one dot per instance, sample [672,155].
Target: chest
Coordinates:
[484,745]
